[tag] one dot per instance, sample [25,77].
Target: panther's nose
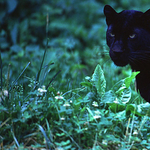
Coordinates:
[117,50]
[117,46]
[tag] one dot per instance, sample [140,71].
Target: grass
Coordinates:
[83,118]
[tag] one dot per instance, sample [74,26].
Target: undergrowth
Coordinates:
[87,117]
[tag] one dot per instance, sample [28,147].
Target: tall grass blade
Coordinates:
[46,138]
[47,40]
[46,72]
[20,75]
[8,74]
[38,75]
[70,138]
[48,128]
[1,87]
[53,78]
[15,139]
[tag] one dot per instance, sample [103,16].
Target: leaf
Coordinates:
[110,137]
[116,107]
[99,80]
[121,115]
[109,97]
[82,112]
[114,103]
[129,79]
[140,110]
[11,5]
[122,93]
[131,108]
[114,96]
[27,115]
[86,84]
[89,97]
[91,113]
[126,95]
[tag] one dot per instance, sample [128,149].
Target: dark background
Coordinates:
[76,33]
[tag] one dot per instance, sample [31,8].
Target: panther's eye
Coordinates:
[132,36]
[112,34]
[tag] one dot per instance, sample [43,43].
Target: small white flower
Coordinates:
[97,116]
[116,101]
[62,118]
[135,132]
[87,78]
[58,93]
[59,97]
[97,112]
[104,142]
[43,87]
[66,105]
[5,93]
[95,104]
[42,90]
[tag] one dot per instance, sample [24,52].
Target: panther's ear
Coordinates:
[109,12]
[146,15]
[147,12]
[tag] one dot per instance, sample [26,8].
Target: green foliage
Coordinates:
[72,120]
[45,99]
[99,80]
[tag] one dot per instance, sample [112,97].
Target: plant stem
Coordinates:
[1,71]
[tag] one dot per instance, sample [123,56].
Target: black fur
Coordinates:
[128,37]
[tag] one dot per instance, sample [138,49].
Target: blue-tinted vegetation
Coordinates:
[58,87]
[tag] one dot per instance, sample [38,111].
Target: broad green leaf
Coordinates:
[26,115]
[116,107]
[111,138]
[109,97]
[86,84]
[126,95]
[63,143]
[115,103]
[122,93]
[131,108]
[105,122]
[89,97]
[120,115]
[118,85]
[129,79]
[99,80]
[141,110]
[121,97]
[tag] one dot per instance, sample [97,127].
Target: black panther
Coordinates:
[128,37]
